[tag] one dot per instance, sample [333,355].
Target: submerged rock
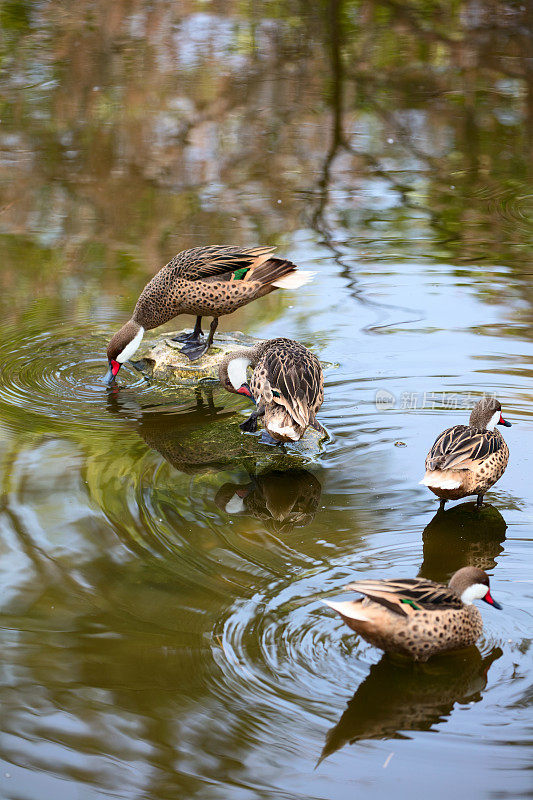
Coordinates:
[164,362]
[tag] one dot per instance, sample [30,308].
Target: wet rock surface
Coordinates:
[164,361]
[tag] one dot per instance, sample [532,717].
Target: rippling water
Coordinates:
[162,630]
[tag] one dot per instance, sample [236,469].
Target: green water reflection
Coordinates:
[161,627]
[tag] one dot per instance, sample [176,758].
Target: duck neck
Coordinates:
[233,367]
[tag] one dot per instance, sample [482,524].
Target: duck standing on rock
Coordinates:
[417,617]
[205,281]
[468,459]
[287,386]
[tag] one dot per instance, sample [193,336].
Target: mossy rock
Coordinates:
[164,362]
[198,443]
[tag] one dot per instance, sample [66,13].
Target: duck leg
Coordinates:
[479,501]
[250,425]
[442,504]
[194,350]
[194,337]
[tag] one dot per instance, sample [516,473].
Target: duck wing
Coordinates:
[400,595]
[459,446]
[291,376]
[216,260]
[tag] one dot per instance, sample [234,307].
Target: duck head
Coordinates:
[121,347]
[472,583]
[232,373]
[486,414]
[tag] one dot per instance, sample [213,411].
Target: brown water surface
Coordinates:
[162,633]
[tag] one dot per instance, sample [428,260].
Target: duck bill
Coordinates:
[503,421]
[111,373]
[491,601]
[245,390]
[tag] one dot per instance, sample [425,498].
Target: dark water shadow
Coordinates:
[398,697]
[282,499]
[195,435]
[459,537]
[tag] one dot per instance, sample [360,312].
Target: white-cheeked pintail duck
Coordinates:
[417,617]
[287,386]
[205,281]
[468,459]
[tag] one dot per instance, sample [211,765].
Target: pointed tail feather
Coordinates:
[348,609]
[439,480]
[295,279]
[279,273]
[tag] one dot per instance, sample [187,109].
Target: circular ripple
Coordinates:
[58,376]
[283,648]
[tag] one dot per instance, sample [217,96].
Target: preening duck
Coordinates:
[205,281]
[287,386]
[468,459]
[417,617]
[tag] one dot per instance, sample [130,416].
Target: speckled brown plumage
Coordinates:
[469,454]
[287,385]
[415,617]
[199,281]
[205,281]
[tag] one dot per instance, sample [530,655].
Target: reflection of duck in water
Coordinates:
[285,499]
[468,459]
[395,697]
[463,536]
[191,439]
[416,617]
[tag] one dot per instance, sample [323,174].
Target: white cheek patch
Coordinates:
[494,420]
[475,592]
[237,371]
[130,348]
[235,505]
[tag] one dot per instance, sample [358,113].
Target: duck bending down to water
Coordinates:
[287,386]
[205,281]
[417,617]
[468,459]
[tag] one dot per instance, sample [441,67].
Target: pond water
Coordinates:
[158,640]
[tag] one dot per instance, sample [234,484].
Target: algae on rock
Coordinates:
[164,361]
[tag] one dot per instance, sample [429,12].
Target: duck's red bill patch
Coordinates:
[490,600]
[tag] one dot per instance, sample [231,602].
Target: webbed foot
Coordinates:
[249,425]
[192,337]
[266,438]
[194,351]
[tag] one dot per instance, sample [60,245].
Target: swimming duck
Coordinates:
[205,281]
[417,617]
[287,386]
[468,459]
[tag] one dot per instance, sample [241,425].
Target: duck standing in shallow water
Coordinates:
[468,459]
[205,281]
[416,617]
[287,386]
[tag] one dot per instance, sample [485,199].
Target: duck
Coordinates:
[287,386]
[204,281]
[468,459]
[417,617]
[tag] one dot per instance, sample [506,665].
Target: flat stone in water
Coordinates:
[164,361]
